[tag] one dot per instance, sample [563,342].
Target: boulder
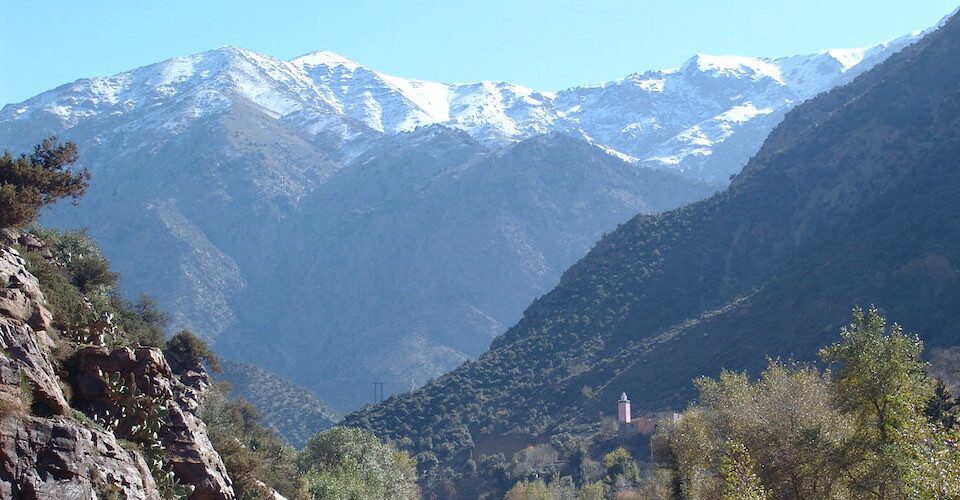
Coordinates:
[10,235]
[13,272]
[20,295]
[45,458]
[30,242]
[23,357]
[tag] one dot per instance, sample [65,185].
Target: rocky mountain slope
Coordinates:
[851,200]
[380,228]
[51,393]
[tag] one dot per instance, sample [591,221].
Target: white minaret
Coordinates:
[623,409]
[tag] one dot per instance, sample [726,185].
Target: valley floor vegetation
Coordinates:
[873,424]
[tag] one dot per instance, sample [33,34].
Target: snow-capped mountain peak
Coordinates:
[324,58]
[733,67]
[672,119]
[848,58]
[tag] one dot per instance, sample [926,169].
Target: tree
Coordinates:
[344,480]
[592,491]
[736,471]
[30,182]
[344,462]
[881,382]
[785,420]
[942,406]
[857,431]
[142,321]
[533,490]
[621,466]
[190,347]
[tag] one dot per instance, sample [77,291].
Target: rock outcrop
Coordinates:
[184,435]
[59,457]
[49,449]
[24,320]
[43,452]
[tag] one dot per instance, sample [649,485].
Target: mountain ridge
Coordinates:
[325,93]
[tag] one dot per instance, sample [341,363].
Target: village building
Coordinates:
[645,424]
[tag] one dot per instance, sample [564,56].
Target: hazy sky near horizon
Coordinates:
[544,44]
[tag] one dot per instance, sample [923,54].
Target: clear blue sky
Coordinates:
[544,44]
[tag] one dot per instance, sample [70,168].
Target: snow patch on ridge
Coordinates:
[734,67]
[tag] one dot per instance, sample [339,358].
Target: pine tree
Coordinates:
[30,182]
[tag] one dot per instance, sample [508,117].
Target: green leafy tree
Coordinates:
[621,467]
[344,480]
[934,470]
[344,462]
[592,491]
[862,430]
[29,182]
[881,381]
[532,490]
[736,472]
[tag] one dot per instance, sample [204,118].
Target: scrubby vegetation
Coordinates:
[191,347]
[293,411]
[257,459]
[83,296]
[341,463]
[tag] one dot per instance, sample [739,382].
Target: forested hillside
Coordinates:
[851,200]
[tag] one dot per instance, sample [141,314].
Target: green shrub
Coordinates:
[141,321]
[91,272]
[185,343]
[26,391]
[343,461]
[253,454]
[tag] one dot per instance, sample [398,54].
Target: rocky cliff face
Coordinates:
[49,445]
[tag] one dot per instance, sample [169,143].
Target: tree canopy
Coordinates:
[859,430]
[30,182]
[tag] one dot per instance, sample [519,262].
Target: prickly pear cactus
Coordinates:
[139,417]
